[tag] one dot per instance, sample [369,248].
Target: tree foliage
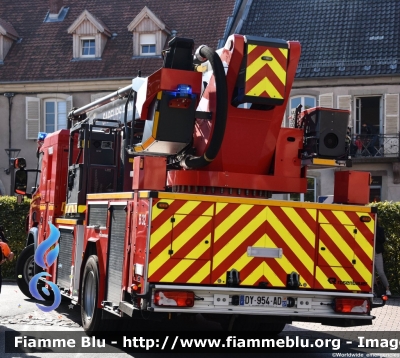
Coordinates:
[13,218]
[389,214]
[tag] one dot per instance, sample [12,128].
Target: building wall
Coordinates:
[81,93]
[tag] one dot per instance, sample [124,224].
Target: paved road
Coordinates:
[18,313]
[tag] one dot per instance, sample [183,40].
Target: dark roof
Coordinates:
[338,37]
[8,28]
[45,51]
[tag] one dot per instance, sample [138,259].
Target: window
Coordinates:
[306,101]
[147,44]
[310,195]
[55,115]
[88,47]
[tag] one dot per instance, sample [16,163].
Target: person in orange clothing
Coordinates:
[5,252]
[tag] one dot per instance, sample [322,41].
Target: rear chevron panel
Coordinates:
[198,242]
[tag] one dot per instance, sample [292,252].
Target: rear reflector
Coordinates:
[174,298]
[352,305]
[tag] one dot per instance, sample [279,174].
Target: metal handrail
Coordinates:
[374,145]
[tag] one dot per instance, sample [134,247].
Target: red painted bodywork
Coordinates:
[251,140]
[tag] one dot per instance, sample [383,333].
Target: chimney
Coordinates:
[55,8]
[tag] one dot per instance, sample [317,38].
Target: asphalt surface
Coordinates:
[20,314]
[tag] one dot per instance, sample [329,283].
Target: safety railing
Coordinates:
[374,145]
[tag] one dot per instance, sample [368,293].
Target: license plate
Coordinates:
[253,300]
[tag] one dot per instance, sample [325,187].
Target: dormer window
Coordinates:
[88,46]
[147,44]
[89,36]
[149,34]
[8,36]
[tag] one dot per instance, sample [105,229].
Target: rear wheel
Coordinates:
[90,313]
[25,269]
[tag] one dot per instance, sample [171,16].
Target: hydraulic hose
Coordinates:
[191,162]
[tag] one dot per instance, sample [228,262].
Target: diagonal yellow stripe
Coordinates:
[328,256]
[294,216]
[156,211]
[240,263]
[283,232]
[258,64]
[254,276]
[219,207]
[284,51]
[201,274]
[323,279]
[338,240]
[242,235]
[264,85]
[272,277]
[344,276]
[188,207]
[283,261]
[187,234]
[232,218]
[363,271]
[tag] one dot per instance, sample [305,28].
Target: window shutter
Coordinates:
[391,114]
[69,105]
[344,102]
[147,39]
[326,100]
[391,124]
[32,105]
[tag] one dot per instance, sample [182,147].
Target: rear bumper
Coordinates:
[303,304]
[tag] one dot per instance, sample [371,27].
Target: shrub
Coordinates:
[13,218]
[389,213]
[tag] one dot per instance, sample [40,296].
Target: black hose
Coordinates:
[221,112]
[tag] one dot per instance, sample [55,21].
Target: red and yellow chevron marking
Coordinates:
[266,78]
[329,249]
[189,237]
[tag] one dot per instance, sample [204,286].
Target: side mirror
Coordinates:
[21,182]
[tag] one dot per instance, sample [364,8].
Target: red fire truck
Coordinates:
[162,193]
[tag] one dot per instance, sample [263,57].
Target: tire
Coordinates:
[25,269]
[90,313]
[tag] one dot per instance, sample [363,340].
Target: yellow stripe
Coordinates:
[323,279]
[284,52]
[284,262]
[201,274]
[264,85]
[155,123]
[239,237]
[250,201]
[341,244]
[222,228]
[219,207]
[294,216]
[254,275]
[67,221]
[343,218]
[362,270]
[128,195]
[188,207]
[156,211]
[272,277]
[344,276]
[163,230]
[242,262]
[186,235]
[180,267]
[258,64]
[284,233]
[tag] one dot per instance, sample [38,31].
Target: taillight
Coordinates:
[174,298]
[352,305]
